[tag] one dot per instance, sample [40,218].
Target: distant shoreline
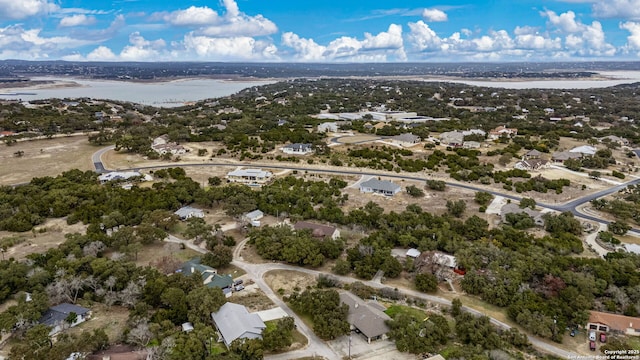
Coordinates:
[58,82]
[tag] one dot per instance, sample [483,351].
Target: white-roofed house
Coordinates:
[584,150]
[380,187]
[328,127]
[187,212]
[253,217]
[297,149]
[233,322]
[251,177]
[119,175]
[406,139]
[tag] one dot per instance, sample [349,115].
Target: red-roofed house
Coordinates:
[607,322]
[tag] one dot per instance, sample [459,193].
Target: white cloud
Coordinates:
[21,9]
[582,39]
[423,37]
[385,46]
[633,40]
[434,15]
[623,9]
[192,16]
[101,53]
[77,20]
[241,26]
[17,42]
[231,48]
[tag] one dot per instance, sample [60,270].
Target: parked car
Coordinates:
[592,345]
[239,287]
[603,337]
[237,282]
[573,333]
[592,336]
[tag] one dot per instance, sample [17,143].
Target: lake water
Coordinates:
[162,94]
[176,93]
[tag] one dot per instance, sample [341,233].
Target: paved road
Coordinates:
[571,206]
[97,159]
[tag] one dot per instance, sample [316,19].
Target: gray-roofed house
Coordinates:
[366,317]
[380,187]
[512,208]
[584,150]
[452,138]
[532,154]
[563,156]
[233,322]
[471,145]
[187,212]
[297,149]
[253,217]
[318,230]
[406,139]
[328,127]
[56,317]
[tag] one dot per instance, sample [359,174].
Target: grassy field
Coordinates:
[44,158]
[394,310]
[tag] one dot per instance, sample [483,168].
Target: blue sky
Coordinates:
[320,31]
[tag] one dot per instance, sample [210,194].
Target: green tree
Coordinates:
[248,349]
[415,191]
[220,256]
[483,198]
[618,227]
[426,282]
[527,202]
[202,302]
[280,337]
[437,185]
[456,207]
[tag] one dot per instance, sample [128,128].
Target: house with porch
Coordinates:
[383,187]
[297,149]
[251,177]
[613,323]
[367,317]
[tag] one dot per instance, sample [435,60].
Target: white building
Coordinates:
[119,175]
[380,187]
[297,149]
[328,127]
[251,177]
[187,212]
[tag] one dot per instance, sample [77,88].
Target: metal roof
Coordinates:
[381,185]
[234,322]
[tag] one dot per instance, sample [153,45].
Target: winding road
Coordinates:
[316,346]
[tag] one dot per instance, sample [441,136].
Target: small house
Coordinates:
[64,316]
[413,253]
[328,127]
[512,208]
[253,217]
[502,131]
[562,156]
[383,187]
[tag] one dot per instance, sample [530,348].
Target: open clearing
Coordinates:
[40,158]
[285,282]
[52,235]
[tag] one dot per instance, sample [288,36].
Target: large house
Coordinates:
[209,275]
[297,149]
[502,131]
[233,322]
[406,139]
[452,138]
[584,150]
[607,322]
[318,230]
[187,212]
[328,127]
[62,317]
[366,317]
[162,146]
[251,177]
[380,187]
[532,164]
[119,175]
[563,156]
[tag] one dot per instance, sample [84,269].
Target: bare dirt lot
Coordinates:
[44,158]
[285,282]
[53,234]
[254,300]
